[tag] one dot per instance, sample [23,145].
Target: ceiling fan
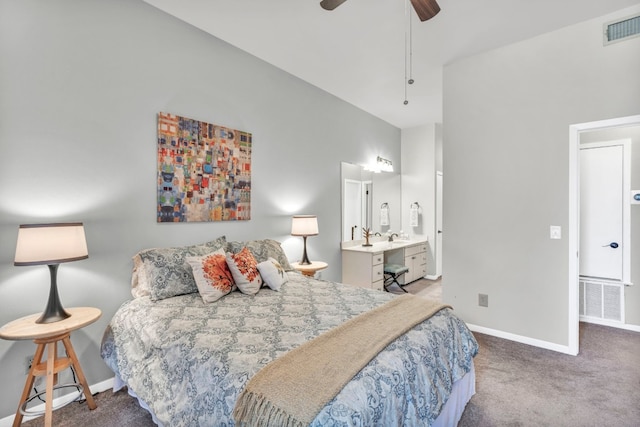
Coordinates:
[426,9]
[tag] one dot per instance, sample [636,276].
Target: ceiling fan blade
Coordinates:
[331,4]
[426,9]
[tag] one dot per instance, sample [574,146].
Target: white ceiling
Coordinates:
[357,51]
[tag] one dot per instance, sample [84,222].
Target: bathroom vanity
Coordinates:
[364,265]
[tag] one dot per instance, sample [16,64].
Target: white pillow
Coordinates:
[212,275]
[273,274]
[243,269]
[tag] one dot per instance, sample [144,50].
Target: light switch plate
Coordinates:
[555,232]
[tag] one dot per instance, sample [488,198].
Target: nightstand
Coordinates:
[47,336]
[310,269]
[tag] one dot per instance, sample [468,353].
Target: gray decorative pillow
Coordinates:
[262,250]
[166,270]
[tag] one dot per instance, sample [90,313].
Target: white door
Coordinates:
[439,224]
[601,211]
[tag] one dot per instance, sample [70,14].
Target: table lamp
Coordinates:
[51,244]
[304,225]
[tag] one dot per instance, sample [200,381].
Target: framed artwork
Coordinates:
[204,171]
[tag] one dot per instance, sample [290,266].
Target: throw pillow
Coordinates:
[262,250]
[273,274]
[212,275]
[244,270]
[166,273]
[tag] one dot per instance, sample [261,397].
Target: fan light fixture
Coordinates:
[425,9]
[51,244]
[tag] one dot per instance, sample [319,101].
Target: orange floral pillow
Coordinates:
[244,269]
[212,275]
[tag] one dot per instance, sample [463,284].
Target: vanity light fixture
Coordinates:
[381,165]
[51,244]
[304,225]
[384,165]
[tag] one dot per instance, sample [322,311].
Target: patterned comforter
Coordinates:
[189,361]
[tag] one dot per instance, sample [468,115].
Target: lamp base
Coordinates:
[305,258]
[54,312]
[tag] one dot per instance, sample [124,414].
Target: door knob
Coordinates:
[612,245]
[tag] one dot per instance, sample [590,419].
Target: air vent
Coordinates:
[601,301]
[622,30]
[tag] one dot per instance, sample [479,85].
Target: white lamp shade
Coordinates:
[304,225]
[50,244]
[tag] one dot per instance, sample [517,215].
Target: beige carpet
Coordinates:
[422,287]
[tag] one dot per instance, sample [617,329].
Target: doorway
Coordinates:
[575,135]
[605,237]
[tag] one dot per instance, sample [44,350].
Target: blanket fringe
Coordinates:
[254,409]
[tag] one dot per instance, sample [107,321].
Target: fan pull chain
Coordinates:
[408,49]
[406,3]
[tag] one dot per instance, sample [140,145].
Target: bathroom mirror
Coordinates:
[363,193]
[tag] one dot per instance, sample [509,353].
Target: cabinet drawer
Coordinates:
[422,270]
[377,259]
[378,286]
[377,273]
[412,250]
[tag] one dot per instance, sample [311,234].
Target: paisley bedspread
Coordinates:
[188,361]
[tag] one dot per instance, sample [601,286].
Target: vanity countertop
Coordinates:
[384,245]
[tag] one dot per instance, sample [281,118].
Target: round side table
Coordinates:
[47,336]
[310,269]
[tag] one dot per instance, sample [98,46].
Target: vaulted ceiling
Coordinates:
[360,51]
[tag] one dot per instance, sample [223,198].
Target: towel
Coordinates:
[384,216]
[413,216]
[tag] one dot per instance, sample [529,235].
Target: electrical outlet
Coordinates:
[27,363]
[483,300]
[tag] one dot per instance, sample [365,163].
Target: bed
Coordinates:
[187,361]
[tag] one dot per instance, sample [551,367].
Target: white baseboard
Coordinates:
[96,388]
[603,322]
[432,277]
[521,339]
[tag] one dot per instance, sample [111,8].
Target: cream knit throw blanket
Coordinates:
[291,390]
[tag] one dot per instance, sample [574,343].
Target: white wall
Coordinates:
[421,151]
[81,83]
[507,114]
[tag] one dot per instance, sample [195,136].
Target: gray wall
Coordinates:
[81,83]
[507,114]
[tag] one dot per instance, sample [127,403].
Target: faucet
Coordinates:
[377,234]
[391,236]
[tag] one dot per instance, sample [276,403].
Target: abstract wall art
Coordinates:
[204,171]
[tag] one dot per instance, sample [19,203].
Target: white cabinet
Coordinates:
[364,265]
[364,269]
[415,257]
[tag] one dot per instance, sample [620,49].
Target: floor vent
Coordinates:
[601,301]
[621,30]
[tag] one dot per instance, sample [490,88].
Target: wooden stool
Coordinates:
[47,336]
